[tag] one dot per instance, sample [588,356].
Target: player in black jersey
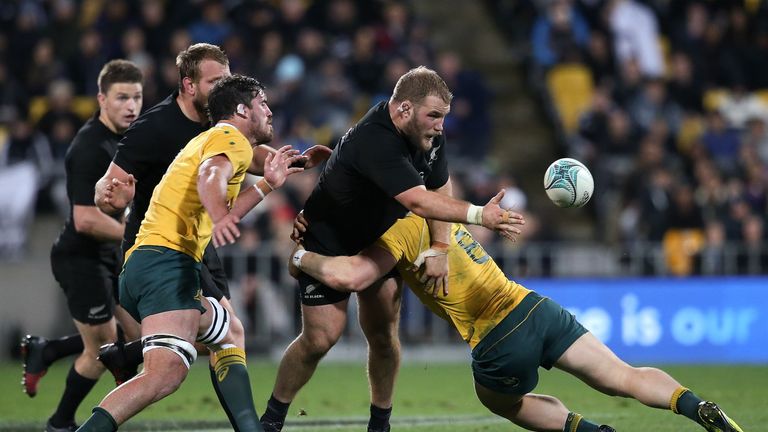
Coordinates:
[86,256]
[146,151]
[381,168]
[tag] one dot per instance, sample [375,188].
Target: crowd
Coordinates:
[324,63]
[675,133]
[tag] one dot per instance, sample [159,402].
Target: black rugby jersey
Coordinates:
[86,160]
[353,203]
[147,149]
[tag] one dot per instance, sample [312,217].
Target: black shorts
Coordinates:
[315,293]
[90,285]
[213,279]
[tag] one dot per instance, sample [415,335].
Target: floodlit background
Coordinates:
[665,101]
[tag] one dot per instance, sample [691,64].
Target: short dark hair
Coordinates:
[418,83]
[118,71]
[188,61]
[229,92]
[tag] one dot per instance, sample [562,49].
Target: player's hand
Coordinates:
[300,225]
[436,275]
[277,166]
[504,221]
[316,155]
[119,194]
[292,269]
[225,230]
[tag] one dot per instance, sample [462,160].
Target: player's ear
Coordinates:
[102,99]
[187,86]
[404,108]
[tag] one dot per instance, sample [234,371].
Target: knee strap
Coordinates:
[179,346]
[219,324]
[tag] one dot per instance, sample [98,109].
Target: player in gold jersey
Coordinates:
[511,330]
[197,200]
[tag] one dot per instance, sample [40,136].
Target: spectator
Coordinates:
[45,67]
[721,142]
[469,127]
[60,123]
[636,35]
[683,85]
[559,34]
[213,27]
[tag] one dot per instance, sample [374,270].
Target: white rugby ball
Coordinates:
[568,183]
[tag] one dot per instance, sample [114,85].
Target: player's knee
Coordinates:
[236,331]
[317,343]
[383,342]
[169,381]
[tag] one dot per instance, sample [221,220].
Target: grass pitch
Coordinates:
[430,397]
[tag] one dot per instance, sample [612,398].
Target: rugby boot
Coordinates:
[384,429]
[714,419]
[605,428]
[51,428]
[34,366]
[114,359]
[272,426]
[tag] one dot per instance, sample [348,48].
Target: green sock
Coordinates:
[685,402]
[576,423]
[100,421]
[235,389]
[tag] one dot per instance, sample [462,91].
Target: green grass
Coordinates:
[429,398]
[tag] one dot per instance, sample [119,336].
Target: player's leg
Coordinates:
[595,364]
[84,374]
[39,353]
[506,361]
[233,385]
[379,308]
[168,353]
[160,288]
[323,318]
[213,282]
[121,358]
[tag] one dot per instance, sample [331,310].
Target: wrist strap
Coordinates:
[475,215]
[296,258]
[258,189]
[264,187]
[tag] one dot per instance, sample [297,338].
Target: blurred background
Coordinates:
[665,101]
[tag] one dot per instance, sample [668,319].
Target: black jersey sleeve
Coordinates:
[84,168]
[387,163]
[135,152]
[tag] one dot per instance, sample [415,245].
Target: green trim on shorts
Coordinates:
[157,279]
[536,333]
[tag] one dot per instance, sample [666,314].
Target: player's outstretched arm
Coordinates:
[432,205]
[115,190]
[344,273]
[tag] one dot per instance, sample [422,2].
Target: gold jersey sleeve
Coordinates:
[176,218]
[479,294]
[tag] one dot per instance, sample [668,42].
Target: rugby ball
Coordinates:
[568,183]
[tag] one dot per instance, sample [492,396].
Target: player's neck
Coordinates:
[104,119]
[187,107]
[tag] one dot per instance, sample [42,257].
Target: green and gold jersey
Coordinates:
[479,294]
[176,217]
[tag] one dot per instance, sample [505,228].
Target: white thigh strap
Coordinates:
[219,325]
[182,348]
